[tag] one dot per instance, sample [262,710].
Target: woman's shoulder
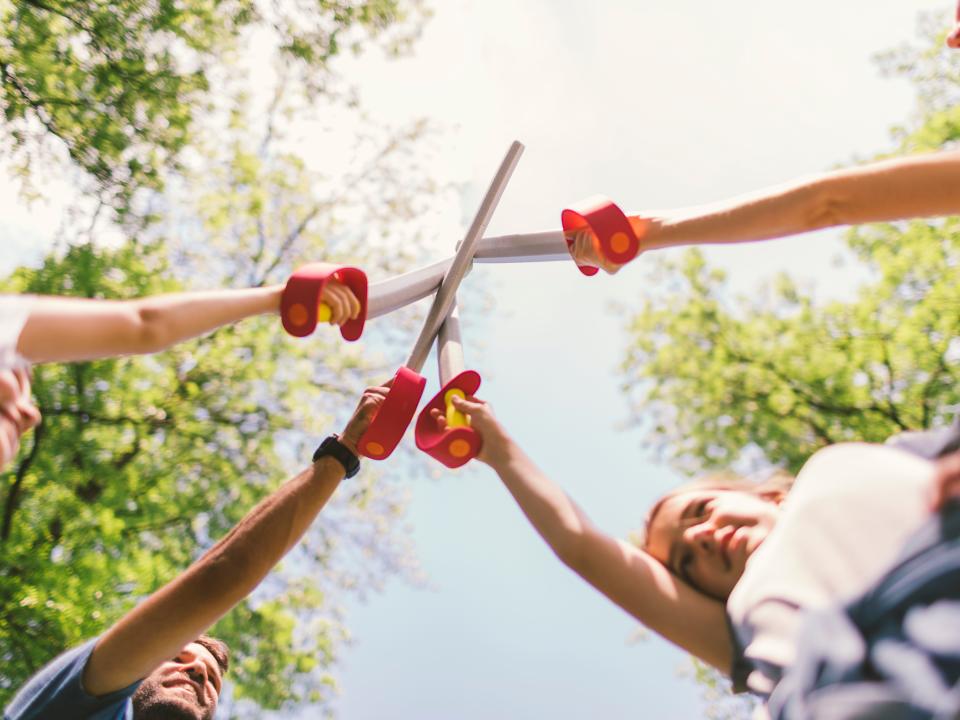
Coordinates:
[842,497]
[848,464]
[852,451]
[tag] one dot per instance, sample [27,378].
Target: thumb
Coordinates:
[467,406]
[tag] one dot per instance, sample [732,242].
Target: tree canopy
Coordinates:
[118,85]
[767,380]
[140,464]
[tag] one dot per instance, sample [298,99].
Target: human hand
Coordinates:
[343,304]
[953,39]
[585,246]
[367,408]
[585,251]
[496,442]
[17,411]
[945,483]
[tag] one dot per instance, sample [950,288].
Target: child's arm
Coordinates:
[899,189]
[67,329]
[628,576]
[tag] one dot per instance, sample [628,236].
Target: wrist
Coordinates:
[345,455]
[271,298]
[649,231]
[324,467]
[500,452]
[348,442]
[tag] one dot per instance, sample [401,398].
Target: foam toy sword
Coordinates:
[300,305]
[616,239]
[301,309]
[394,416]
[457,443]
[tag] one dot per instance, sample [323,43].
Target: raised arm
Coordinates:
[629,577]
[917,186]
[69,329]
[898,189]
[159,627]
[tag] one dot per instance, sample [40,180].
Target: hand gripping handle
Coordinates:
[392,419]
[456,444]
[618,242]
[300,306]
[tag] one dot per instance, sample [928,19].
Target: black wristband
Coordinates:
[332,447]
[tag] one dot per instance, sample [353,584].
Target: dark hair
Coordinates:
[217,648]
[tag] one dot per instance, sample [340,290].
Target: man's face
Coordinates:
[186,687]
[17,411]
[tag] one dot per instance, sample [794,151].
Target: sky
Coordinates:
[656,105]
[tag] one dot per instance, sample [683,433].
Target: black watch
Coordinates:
[332,447]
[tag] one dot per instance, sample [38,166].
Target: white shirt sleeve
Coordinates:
[14,311]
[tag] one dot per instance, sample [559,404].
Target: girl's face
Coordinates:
[706,536]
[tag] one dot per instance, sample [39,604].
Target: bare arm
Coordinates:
[625,574]
[159,627]
[899,189]
[67,329]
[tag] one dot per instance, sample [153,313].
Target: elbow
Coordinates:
[572,549]
[826,207]
[149,332]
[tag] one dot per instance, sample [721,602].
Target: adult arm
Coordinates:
[68,329]
[627,575]
[179,612]
[899,189]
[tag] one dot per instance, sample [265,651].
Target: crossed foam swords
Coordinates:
[457,443]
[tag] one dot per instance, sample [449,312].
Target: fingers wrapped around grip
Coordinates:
[324,292]
[597,229]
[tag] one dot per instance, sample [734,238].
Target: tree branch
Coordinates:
[13,494]
[346,187]
[76,22]
[888,363]
[931,385]
[85,417]
[11,80]
[160,525]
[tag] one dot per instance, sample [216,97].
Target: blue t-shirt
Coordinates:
[56,693]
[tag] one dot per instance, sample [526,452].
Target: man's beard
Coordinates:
[151,701]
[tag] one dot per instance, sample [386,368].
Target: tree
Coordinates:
[770,379]
[775,378]
[140,464]
[118,85]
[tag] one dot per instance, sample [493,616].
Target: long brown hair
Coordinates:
[774,487]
